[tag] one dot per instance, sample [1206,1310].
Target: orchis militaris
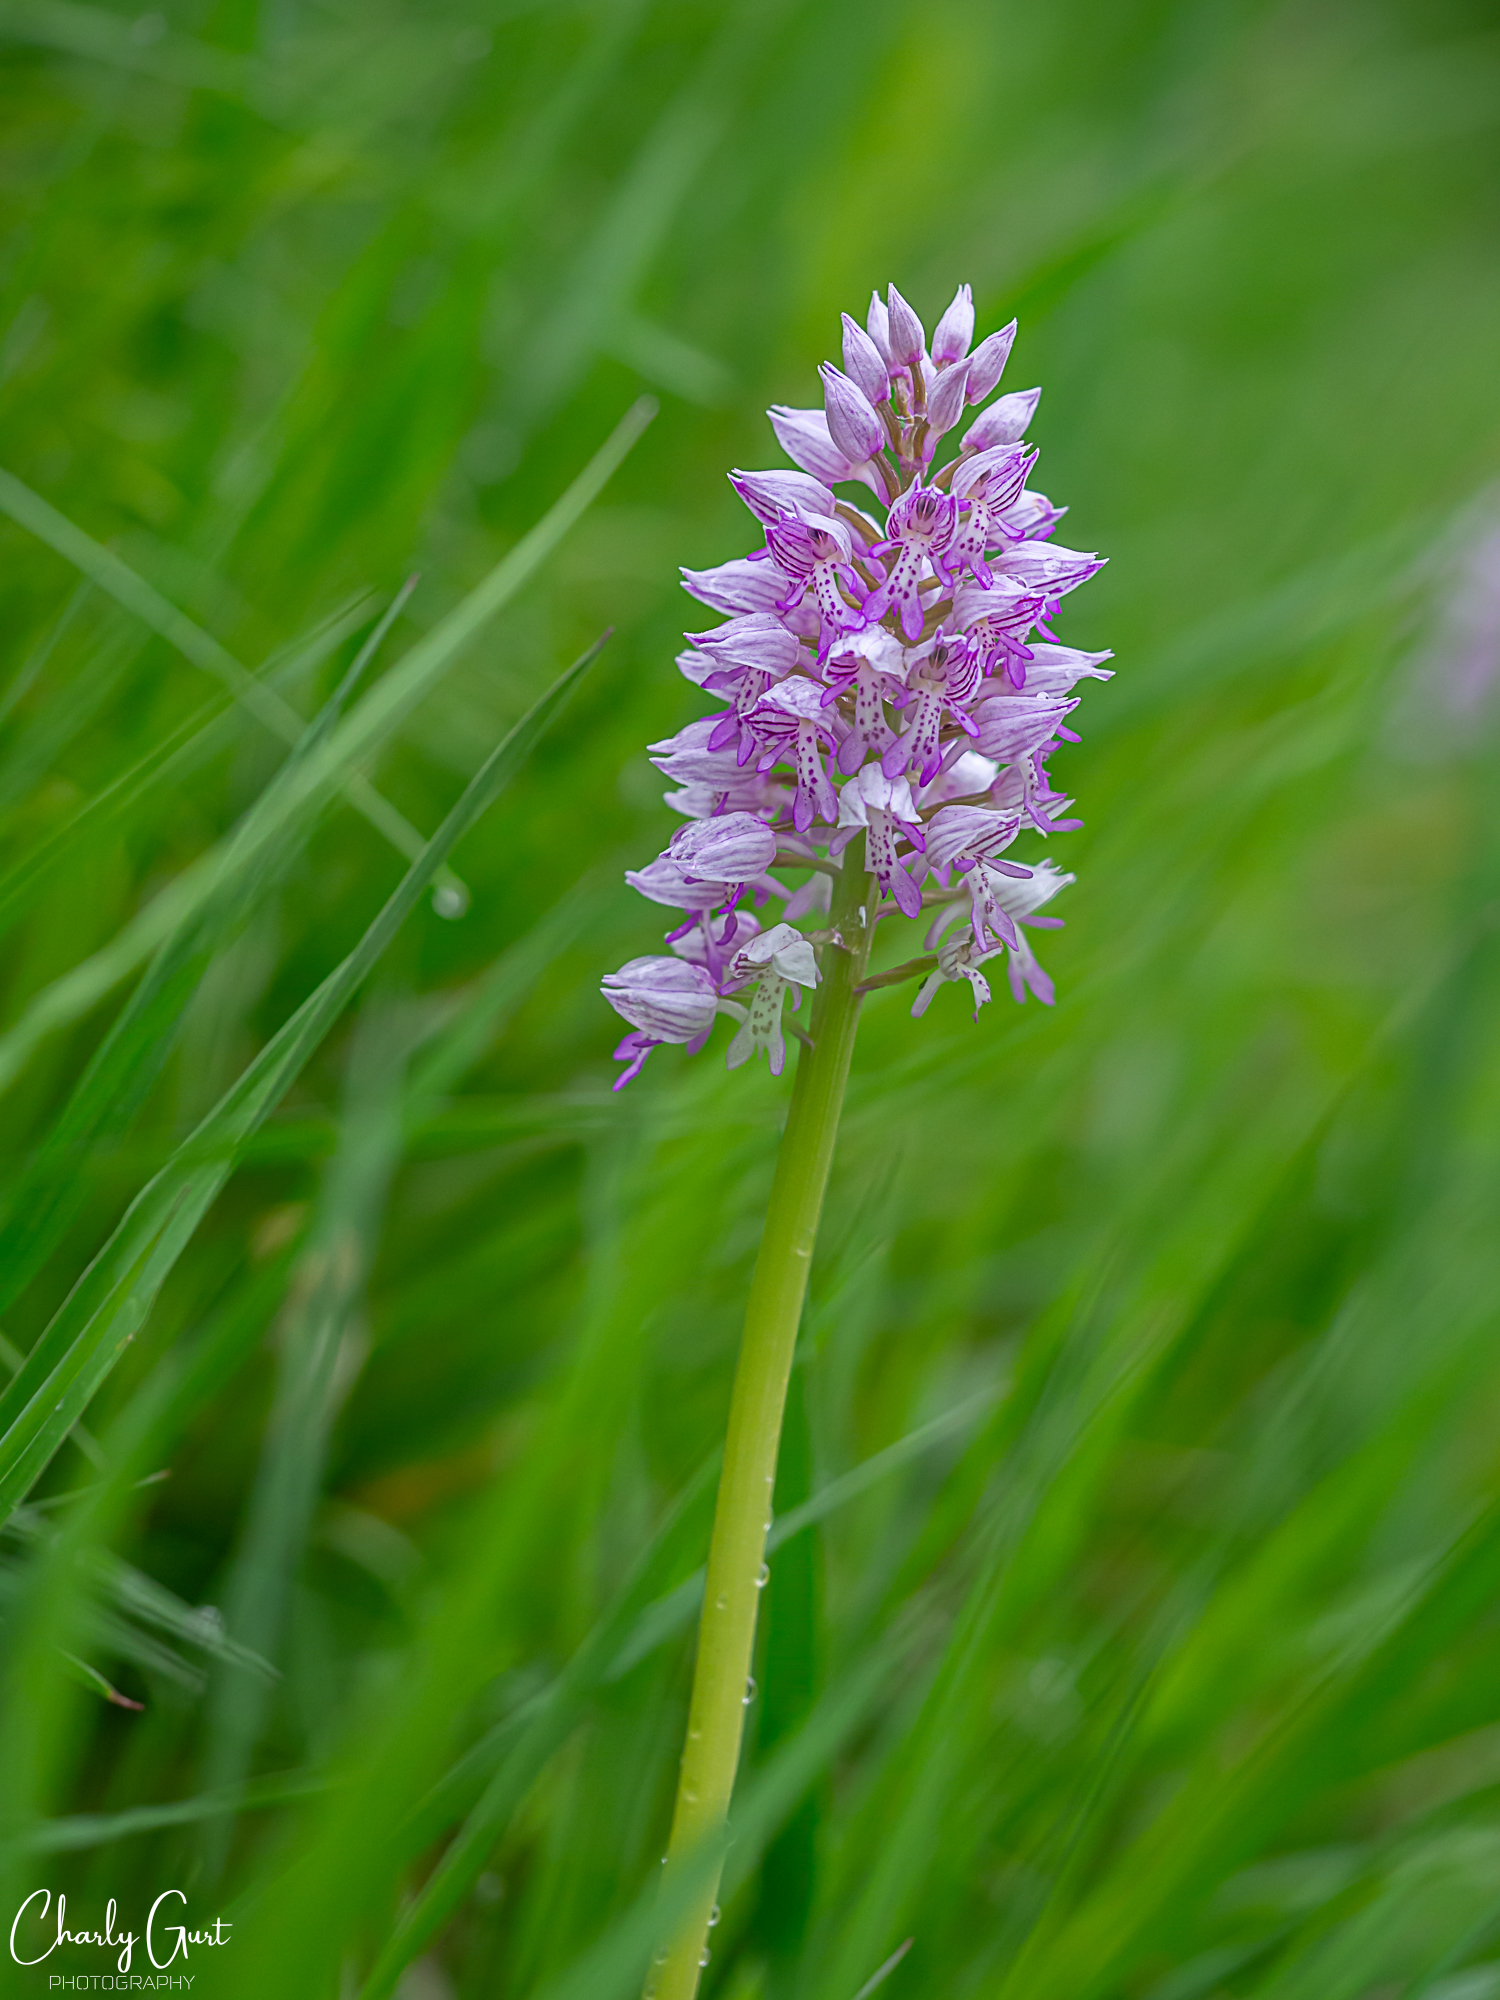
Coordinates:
[887,715]
[880,661]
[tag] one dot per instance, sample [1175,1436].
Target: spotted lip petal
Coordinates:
[884,673]
[784,950]
[919,529]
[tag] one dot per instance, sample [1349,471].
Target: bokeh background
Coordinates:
[1135,1629]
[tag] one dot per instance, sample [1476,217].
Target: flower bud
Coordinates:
[955,329]
[906,339]
[877,320]
[864,363]
[987,363]
[1004,422]
[852,423]
[735,847]
[803,436]
[945,399]
[664,997]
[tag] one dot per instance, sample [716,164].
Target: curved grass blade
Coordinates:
[199,736]
[104,568]
[311,1346]
[114,1296]
[304,788]
[84,1830]
[123,1069]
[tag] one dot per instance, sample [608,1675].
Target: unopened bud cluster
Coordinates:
[881,673]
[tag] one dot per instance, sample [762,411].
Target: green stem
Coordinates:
[731,1593]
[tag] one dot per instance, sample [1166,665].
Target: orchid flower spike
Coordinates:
[882,690]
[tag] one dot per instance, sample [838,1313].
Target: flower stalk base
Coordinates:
[726,1634]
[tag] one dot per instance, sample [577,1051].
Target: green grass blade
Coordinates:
[115,1295]
[374,720]
[144,601]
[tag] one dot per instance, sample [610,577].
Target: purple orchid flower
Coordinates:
[1032,518]
[886,680]
[744,586]
[1059,669]
[918,530]
[905,337]
[790,721]
[707,868]
[884,807]
[748,790]
[665,1000]
[817,552]
[968,949]
[958,958]
[991,484]
[734,848]
[997,622]
[870,669]
[778,960]
[1009,727]
[743,662]
[1046,567]
[687,759]
[944,679]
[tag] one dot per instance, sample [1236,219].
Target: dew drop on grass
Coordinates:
[721,1604]
[705,1956]
[749,1690]
[764,1577]
[713,1916]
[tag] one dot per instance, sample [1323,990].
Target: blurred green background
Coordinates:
[1141,1636]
